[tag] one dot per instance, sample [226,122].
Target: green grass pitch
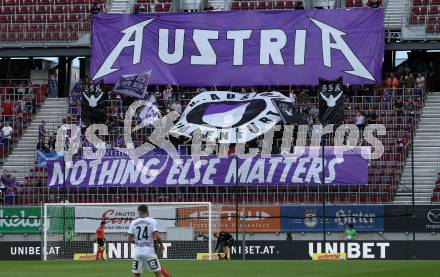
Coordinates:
[225,268]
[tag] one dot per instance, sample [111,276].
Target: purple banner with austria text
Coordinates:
[241,48]
[351,168]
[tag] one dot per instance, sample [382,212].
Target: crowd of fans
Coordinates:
[9,187]
[18,101]
[397,98]
[392,96]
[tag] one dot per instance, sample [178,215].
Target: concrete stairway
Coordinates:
[426,155]
[395,14]
[22,158]
[220,5]
[121,6]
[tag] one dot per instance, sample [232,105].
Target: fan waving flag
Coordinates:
[133,85]
[331,101]
[93,105]
[287,111]
[150,113]
[2,194]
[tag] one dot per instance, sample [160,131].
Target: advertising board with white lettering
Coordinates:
[355,250]
[24,250]
[118,218]
[27,220]
[122,250]
[259,219]
[365,218]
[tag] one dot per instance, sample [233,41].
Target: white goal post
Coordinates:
[69,229]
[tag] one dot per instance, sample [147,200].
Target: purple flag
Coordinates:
[133,85]
[306,169]
[277,47]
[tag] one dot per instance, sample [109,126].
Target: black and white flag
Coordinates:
[93,105]
[229,117]
[287,112]
[331,101]
[2,194]
[133,85]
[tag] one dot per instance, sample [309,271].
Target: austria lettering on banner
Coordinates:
[124,172]
[241,48]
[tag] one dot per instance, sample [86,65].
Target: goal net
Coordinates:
[69,230]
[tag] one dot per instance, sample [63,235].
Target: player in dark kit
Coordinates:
[100,239]
[224,242]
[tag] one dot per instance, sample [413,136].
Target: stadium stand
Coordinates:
[143,6]
[19,102]
[384,174]
[45,21]
[64,20]
[400,199]
[436,196]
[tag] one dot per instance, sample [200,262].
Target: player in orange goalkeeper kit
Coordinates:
[100,239]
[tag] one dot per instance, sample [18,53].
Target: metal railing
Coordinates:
[22,101]
[421,26]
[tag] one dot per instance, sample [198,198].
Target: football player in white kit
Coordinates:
[143,233]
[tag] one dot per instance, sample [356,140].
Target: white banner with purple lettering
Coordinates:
[118,218]
[306,169]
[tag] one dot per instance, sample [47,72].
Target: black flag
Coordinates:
[288,113]
[2,194]
[331,101]
[93,106]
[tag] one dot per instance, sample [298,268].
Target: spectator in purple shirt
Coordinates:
[11,186]
[119,142]
[42,130]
